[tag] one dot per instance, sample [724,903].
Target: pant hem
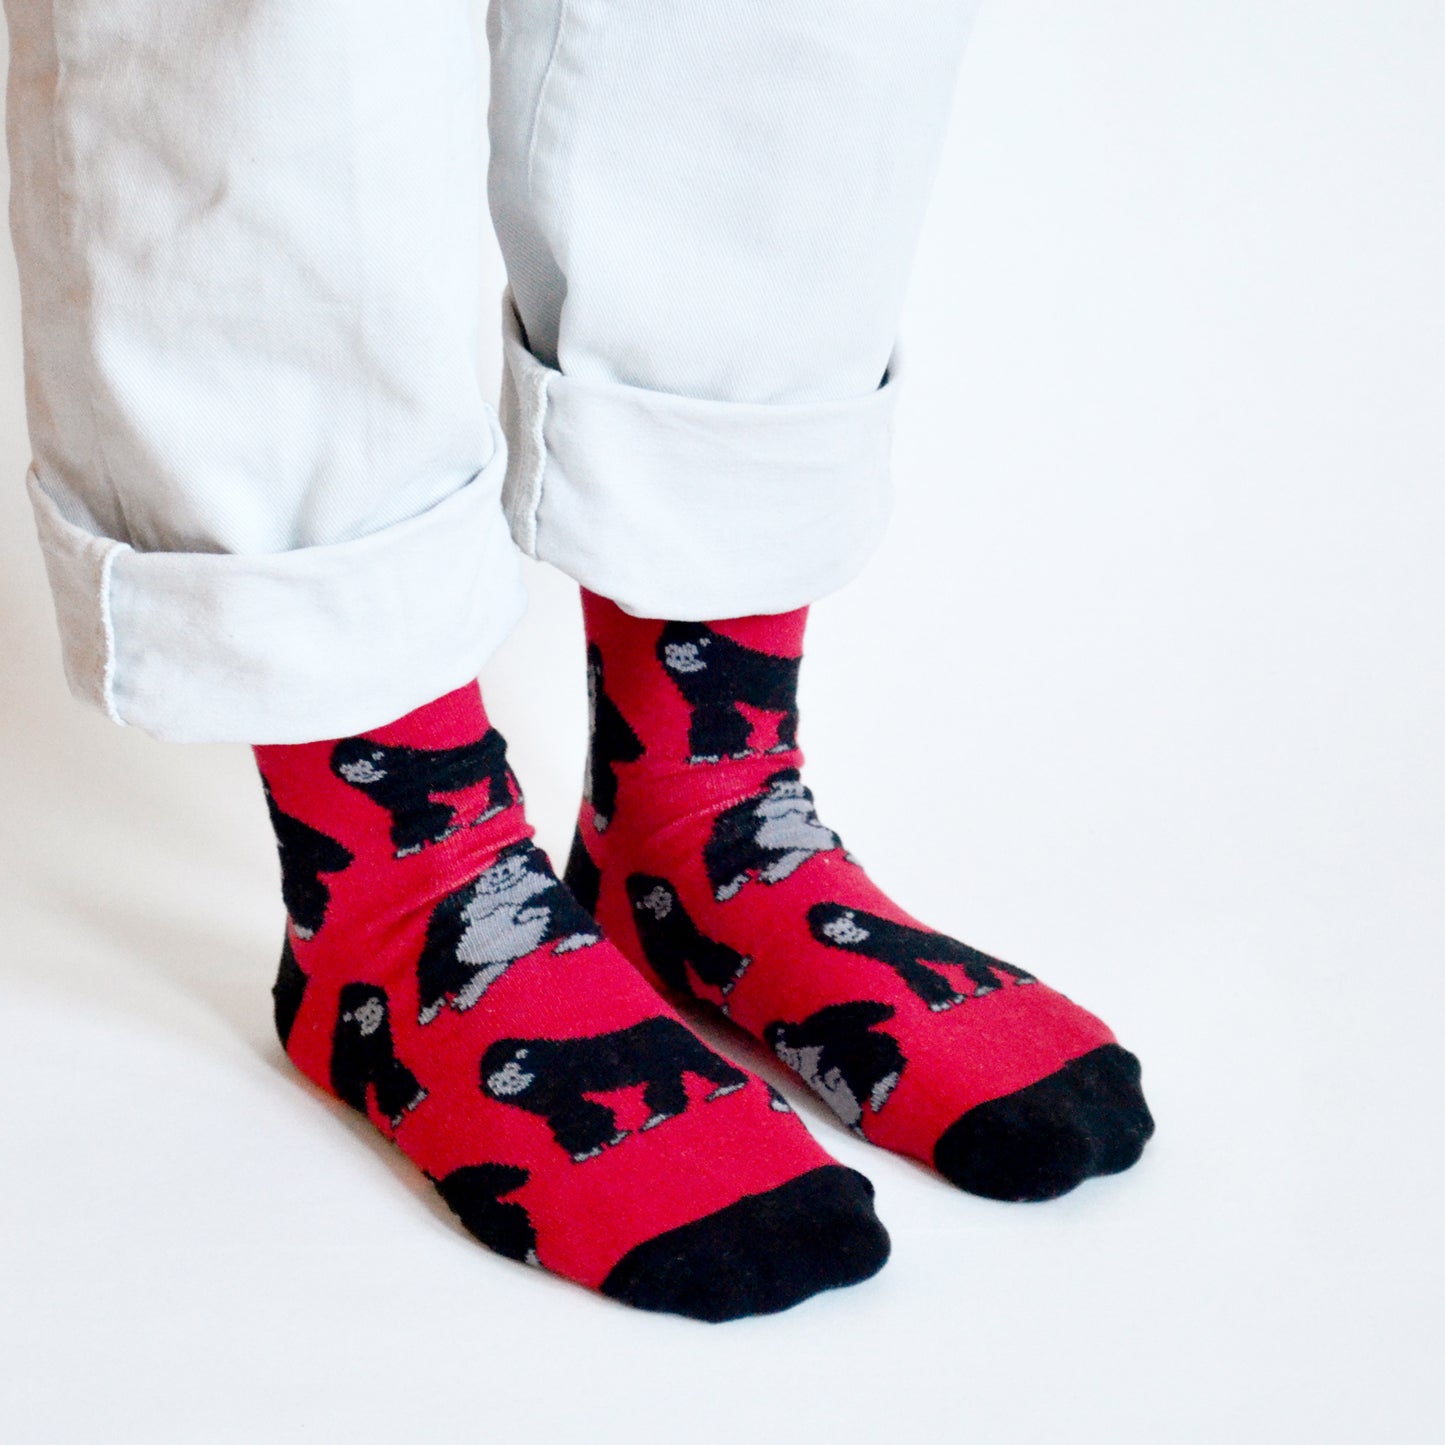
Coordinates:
[318,642]
[687,508]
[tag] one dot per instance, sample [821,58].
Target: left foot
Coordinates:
[713,872]
[438,978]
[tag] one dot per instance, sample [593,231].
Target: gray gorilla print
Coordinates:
[767,837]
[480,930]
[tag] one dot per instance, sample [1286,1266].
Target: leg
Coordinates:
[247,240]
[697,1058]
[1019,1095]
[927,983]
[715,962]
[664,1097]
[699,385]
[584,1128]
[683,194]
[461,1087]
[397,1091]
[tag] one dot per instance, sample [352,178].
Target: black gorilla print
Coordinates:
[715,674]
[474,1194]
[905,949]
[613,742]
[405,780]
[765,838]
[552,1078]
[287,992]
[477,932]
[841,1058]
[363,1057]
[671,941]
[306,853]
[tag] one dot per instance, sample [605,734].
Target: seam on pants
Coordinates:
[525,406]
[537,403]
[812,478]
[542,88]
[539,441]
[107,632]
[79,213]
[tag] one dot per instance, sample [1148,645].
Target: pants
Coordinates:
[273,503]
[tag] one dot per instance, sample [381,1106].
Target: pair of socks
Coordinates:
[508,1031]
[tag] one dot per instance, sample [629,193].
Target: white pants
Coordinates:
[273,503]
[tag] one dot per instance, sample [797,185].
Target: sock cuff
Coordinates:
[688,507]
[778,633]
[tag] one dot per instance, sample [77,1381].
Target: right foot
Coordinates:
[440,979]
[716,874]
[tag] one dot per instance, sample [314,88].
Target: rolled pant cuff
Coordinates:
[692,509]
[295,646]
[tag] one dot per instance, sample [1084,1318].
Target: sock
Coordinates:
[441,980]
[701,853]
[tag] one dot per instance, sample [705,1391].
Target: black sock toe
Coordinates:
[760,1254]
[1088,1118]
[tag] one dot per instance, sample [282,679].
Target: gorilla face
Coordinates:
[658,902]
[368,1017]
[787,821]
[685,656]
[364,770]
[500,926]
[774,833]
[844,930]
[512,1078]
[509,880]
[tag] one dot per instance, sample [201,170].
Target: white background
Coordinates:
[1144,690]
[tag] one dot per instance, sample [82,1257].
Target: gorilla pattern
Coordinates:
[765,838]
[477,932]
[552,1078]
[671,941]
[404,781]
[474,1194]
[287,992]
[363,1057]
[905,950]
[715,674]
[841,1059]
[306,853]
[613,742]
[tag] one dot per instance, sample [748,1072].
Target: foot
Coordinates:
[442,981]
[717,877]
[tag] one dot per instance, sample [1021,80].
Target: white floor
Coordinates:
[1145,689]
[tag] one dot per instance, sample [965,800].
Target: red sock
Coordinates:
[700,852]
[439,978]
